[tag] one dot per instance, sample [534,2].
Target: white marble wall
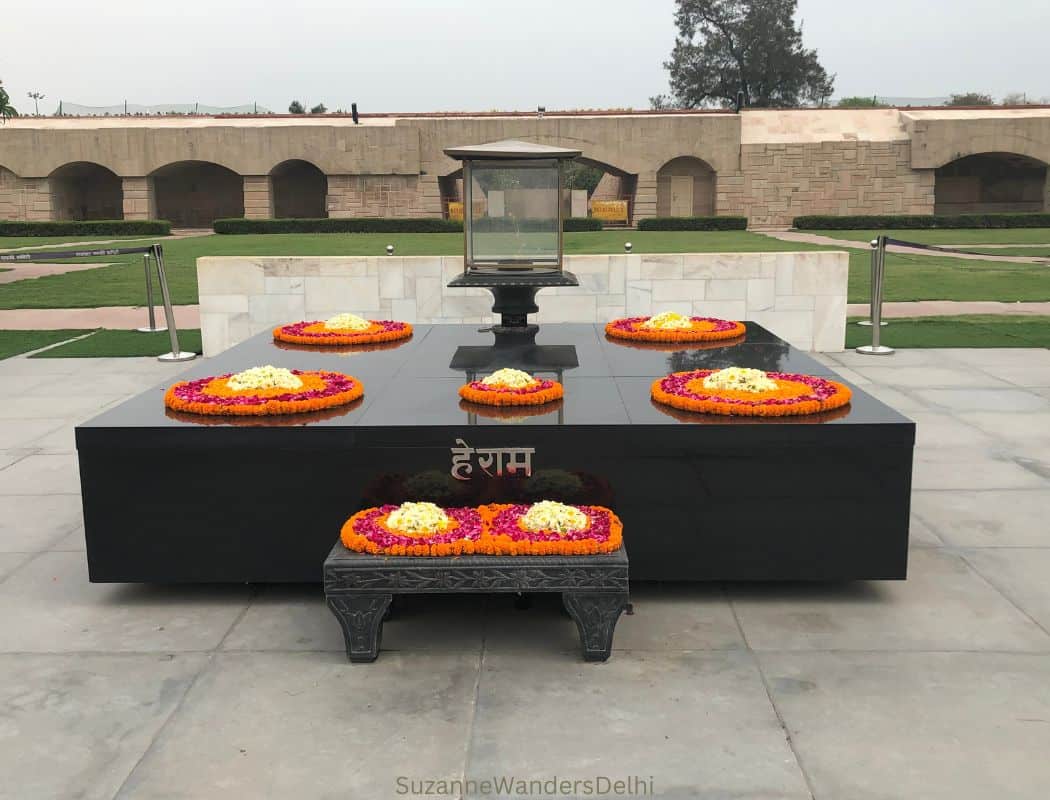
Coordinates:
[799,296]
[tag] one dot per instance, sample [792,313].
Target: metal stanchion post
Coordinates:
[152,327]
[169,313]
[866,323]
[876,348]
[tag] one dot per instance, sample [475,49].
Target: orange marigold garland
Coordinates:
[701,329]
[508,387]
[367,531]
[319,390]
[793,395]
[497,529]
[505,534]
[316,333]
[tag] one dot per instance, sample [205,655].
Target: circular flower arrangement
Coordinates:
[749,392]
[548,528]
[342,329]
[263,391]
[413,529]
[511,387]
[672,327]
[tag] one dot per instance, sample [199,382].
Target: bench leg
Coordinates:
[361,618]
[595,614]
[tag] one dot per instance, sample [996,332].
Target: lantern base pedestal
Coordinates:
[514,294]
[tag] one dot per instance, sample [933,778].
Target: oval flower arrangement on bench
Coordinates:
[262,391]
[672,327]
[511,387]
[342,329]
[741,391]
[425,529]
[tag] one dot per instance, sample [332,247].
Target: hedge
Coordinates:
[917,221]
[392,225]
[351,225]
[693,224]
[98,227]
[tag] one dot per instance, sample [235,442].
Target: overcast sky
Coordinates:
[420,55]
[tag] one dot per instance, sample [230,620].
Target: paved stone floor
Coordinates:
[937,687]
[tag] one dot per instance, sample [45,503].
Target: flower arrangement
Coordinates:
[342,329]
[423,529]
[428,530]
[263,391]
[672,327]
[553,529]
[746,392]
[511,387]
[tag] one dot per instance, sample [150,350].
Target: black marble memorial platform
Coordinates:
[173,498]
[359,588]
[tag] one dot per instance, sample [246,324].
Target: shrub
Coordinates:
[351,225]
[917,221]
[693,224]
[392,225]
[98,227]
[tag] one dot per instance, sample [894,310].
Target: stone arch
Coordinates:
[991,182]
[299,190]
[685,187]
[193,194]
[85,190]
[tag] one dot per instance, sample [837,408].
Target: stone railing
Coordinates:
[801,297]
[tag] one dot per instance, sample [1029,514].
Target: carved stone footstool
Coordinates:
[360,586]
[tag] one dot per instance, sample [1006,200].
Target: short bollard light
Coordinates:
[627,247]
[390,249]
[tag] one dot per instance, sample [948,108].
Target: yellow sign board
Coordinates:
[609,210]
[455,211]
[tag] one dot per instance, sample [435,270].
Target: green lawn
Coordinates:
[118,344]
[9,242]
[121,284]
[976,330]
[912,277]
[14,342]
[965,236]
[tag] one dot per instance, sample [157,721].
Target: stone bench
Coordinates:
[360,586]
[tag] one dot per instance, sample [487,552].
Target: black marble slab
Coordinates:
[172,498]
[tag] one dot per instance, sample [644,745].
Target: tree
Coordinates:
[859,102]
[296,108]
[1019,99]
[970,99]
[582,176]
[318,109]
[749,46]
[6,109]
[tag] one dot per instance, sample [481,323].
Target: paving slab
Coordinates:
[311,725]
[75,725]
[73,403]
[1020,574]
[927,376]
[48,606]
[41,474]
[73,541]
[30,523]
[296,618]
[667,616]
[9,562]
[1016,426]
[21,432]
[967,468]
[699,723]
[936,726]
[943,605]
[1029,376]
[994,518]
[996,357]
[1001,400]
[921,535]
[937,430]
